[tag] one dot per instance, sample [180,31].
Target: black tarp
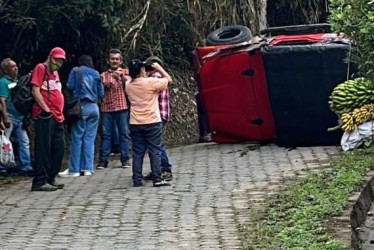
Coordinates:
[300,79]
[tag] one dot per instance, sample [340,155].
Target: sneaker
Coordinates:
[205,138]
[69,175]
[66,171]
[167,176]
[87,173]
[126,164]
[101,165]
[46,187]
[161,183]
[57,185]
[137,184]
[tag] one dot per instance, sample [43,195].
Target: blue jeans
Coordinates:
[115,139]
[165,165]
[146,137]
[121,118]
[20,136]
[82,139]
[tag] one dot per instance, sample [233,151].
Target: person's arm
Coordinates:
[108,84]
[39,98]
[5,113]
[163,73]
[100,88]
[71,80]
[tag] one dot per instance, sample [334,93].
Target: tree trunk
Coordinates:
[257,15]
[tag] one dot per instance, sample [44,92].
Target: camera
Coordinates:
[148,67]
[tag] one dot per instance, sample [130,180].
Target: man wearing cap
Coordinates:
[164,106]
[48,116]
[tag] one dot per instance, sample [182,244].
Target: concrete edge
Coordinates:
[360,208]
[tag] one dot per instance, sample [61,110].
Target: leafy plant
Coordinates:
[355,19]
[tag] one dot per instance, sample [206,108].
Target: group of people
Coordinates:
[132,101]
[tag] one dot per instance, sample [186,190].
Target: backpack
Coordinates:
[21,94]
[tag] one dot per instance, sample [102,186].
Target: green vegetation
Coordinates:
[355,19]
[293,219]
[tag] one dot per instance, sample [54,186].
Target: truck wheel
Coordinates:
[231,34]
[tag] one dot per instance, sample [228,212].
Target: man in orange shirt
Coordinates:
[145,119]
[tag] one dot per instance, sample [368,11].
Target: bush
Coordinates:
[355,19]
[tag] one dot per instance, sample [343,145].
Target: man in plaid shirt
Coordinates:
[114,108]
[164,105]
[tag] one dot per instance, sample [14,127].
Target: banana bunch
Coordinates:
[357,117]
[348,122]
[351,94]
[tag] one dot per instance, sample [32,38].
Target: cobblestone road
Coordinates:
[206,207]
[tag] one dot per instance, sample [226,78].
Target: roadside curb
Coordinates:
[360,208]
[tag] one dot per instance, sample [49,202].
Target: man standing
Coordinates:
[164,106]
[48,116]
[12,118]
[114,108]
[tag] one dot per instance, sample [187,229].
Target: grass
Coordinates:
[293,218]
[11,178]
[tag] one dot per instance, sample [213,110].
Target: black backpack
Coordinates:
[21,94]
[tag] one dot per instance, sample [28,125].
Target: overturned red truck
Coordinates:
[272,88]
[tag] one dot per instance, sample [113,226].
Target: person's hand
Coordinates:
[156,66]
[108,85]
[117,74]
[2,127]
[7,123]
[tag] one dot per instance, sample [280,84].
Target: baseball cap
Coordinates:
[135,66]
[153,59]
[57,52]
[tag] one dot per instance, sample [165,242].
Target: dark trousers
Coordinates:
[146,137]
[49,150]
[201,118]
[165,164]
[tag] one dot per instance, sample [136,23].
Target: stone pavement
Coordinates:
[207,206]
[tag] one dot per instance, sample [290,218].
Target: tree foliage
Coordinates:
[355,19]
[166,28]
[287,12]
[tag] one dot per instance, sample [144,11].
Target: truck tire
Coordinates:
[231,34]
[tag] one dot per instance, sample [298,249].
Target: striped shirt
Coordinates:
[114,98]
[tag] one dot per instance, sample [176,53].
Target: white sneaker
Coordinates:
[87,173]
[66,171]
[69,175]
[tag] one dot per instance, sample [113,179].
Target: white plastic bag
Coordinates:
[6,151]
[356,137]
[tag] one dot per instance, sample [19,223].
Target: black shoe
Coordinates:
[101,165]
[57,185]
[167,176]
[137,184]
[126,164]
[46,187]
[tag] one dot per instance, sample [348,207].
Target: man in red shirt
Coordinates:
[48,116]
[114,109]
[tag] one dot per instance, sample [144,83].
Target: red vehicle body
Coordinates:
[258,92]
